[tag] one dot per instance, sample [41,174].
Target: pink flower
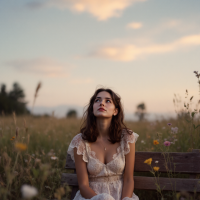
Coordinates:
[167,143]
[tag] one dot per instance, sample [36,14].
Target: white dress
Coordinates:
[105,179]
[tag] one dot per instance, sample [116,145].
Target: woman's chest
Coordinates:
[97,168]
[105,151]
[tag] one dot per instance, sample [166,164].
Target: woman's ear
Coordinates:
[115,112]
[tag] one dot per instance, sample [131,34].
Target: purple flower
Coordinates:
[195,72]
[169,124]
[167,143]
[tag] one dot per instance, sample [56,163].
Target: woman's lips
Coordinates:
[101,109]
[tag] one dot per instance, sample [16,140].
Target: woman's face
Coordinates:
[103,105]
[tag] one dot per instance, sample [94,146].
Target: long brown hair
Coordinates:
[89,128]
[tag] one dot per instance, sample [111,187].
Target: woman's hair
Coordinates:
[89,128]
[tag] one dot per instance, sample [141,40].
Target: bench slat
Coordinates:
[148,183]
[182,162]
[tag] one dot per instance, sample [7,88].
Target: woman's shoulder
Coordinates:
[129,136]
[77,139]
[78,143]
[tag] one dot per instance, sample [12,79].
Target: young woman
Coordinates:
[104,151]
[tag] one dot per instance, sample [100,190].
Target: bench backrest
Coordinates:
[183,163]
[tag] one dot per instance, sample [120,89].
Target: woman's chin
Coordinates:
[102,116]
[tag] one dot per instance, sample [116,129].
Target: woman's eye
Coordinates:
[96,100]
[108,101]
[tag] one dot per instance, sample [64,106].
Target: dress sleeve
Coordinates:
[129,139]
[78,142]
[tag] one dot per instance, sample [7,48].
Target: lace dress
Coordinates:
[105,179]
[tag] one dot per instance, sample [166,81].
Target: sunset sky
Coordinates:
[146,51]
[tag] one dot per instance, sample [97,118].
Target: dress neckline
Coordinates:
[93,153]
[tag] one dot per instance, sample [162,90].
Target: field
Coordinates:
[33,149]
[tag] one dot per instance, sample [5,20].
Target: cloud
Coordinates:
[129,52]
[101,9]
[42,66]
[81,81]
[134,25]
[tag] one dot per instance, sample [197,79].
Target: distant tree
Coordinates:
[141,111]
[71,114]
[13,101]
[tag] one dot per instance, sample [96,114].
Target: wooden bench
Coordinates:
[184,163]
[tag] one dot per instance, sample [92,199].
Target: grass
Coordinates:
[46,139]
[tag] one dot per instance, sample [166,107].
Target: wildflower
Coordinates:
[156,168]
[143,142]
[54,158]
[174,129]
[167,143]
[12,138]
[156,161]
[148,161]
[28,191]
[169,124]
[20,146]
[25,160]
[155,142]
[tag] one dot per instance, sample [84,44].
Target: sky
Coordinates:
[145,50]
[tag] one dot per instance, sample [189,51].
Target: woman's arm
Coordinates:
[128,183]
[82,175]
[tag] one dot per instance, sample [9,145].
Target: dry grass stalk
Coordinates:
[25,126]
[36,94]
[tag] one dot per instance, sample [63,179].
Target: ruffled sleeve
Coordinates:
[129,139]
[79,143]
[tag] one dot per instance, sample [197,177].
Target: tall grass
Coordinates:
[41,163]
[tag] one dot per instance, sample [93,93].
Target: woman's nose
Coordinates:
[101,104]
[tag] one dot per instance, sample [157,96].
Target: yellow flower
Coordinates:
[148,161]
[155,142]
[20,146]
[156,168]
[12,138]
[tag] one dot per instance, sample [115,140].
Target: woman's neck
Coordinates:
[103,125]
